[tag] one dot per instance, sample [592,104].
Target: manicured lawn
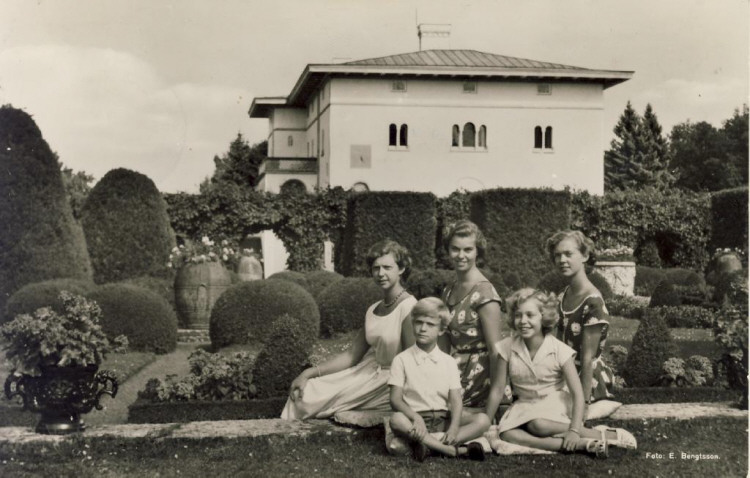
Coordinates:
[323,456]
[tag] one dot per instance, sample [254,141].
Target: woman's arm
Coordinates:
[489,317]
[497,390]
[592,334]
[576,420]
[407,333]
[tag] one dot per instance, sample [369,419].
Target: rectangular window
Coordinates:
[543,89]
[398,85]
[470,87]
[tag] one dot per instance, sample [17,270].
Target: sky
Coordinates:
[162,86]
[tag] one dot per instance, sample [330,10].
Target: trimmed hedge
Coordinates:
[678,222]
[39,238]
[686,316]
[31,297]
[450,209]
[516,223]
[679,286]
[127,228]
[429,282]
[646,280]
[245,312]
[285,355]
[665,295]
[554,282]
[729,218]
[343,304]
[292,276]
[143,411]
[163,287]
[652,345]
[146,318]
[320,279]
[628,307]
[405,217]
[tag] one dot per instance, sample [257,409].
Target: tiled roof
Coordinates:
[459,58]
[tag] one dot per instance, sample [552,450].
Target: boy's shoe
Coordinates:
[418,450]
[475,451]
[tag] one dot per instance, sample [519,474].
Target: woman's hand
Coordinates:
[297,387]
[451,435]
[570,440]
[419,430]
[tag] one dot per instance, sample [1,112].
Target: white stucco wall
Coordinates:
[285,122]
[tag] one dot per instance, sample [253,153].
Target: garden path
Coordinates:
[116,411]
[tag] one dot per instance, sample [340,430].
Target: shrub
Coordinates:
[293,276]
[616,357]
[652,346]
[163,287]
[405,217]
[39,240]
[245,312]
[726,283]
[679,286]
[285,355]
[31,297]
[665,295]
[505,215]
[729,218]
[127,228]
[697,371]
[623,306]
[144,317]
[646,280]
[686,316]
[343,305]
[320,279]
[647,254]
[212,377]
[429,282]
[731,333]
[554,282]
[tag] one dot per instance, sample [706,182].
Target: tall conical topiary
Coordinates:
[39,239]
[127,228]
[652,346]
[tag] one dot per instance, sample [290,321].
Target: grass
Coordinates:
[366,457]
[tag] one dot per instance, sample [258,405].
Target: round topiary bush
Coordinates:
[146,318]
[163,287]
[647,254]
[429,282]
[554,282]
[245,312]
[127,228]
[288,338]
[652,346]
[39,239]
[292,276]
[31,297]
[665,294]
[343,305]
[725,283]
[319,280]
[646,280]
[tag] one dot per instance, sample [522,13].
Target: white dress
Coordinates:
[539,383]
[363,386]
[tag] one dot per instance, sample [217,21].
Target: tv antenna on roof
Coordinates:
[434,31]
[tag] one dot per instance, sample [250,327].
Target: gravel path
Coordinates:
[116,410]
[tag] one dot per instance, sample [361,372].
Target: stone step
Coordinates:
[193,336]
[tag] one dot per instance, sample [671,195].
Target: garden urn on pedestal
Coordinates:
[196,288]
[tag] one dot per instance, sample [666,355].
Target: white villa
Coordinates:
[437,121]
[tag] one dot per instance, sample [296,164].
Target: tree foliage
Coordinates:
[639,156]
[77,188]
[239,165]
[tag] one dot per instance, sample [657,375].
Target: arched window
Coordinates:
[289,140]
[469,136]
[456,134]
[482,140]
[392,133]
[360,187]
[548,137]
[293,186]
[538,137]
[403,136]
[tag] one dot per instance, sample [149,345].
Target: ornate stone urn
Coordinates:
[62,395]
[620,275]
[197,287]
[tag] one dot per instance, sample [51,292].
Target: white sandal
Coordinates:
[624,439]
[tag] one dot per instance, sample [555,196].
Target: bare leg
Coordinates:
[472,426]
[522,437]
[542,427]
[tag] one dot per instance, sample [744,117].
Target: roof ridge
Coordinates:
[468,58]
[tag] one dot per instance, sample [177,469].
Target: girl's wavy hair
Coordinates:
[399,252]
[585,245]
[547,306]
[465,228]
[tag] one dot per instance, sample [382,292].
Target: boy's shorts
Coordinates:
[436,420]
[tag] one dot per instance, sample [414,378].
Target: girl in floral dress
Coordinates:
[584,319]
[475,308]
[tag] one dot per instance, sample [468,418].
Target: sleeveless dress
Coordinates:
[539,383]
[591,311]
[363,386]
[469,343]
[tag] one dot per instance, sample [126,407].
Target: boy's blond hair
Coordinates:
[432,307]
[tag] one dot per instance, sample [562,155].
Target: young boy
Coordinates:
[426,391]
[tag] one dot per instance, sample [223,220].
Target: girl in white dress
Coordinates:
[547,415]
[357,379]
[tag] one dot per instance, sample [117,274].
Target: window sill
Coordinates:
[543,151]
[467,149]
[398,148]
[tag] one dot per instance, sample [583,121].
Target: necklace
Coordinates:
[388,304]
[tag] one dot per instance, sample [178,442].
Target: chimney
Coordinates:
[434,36]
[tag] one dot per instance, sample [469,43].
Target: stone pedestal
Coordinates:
[619,275]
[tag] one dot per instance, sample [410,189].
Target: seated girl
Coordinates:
[546,415]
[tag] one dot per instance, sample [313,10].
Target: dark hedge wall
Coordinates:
[729,218]
[406,217]
[516,223]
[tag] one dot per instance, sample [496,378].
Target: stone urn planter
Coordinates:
[62,395]
[196,288]
[620,275]
[249,268]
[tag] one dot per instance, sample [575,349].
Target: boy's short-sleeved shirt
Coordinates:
[425,377]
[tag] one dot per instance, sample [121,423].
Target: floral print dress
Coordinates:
[468,341]
[591,311]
